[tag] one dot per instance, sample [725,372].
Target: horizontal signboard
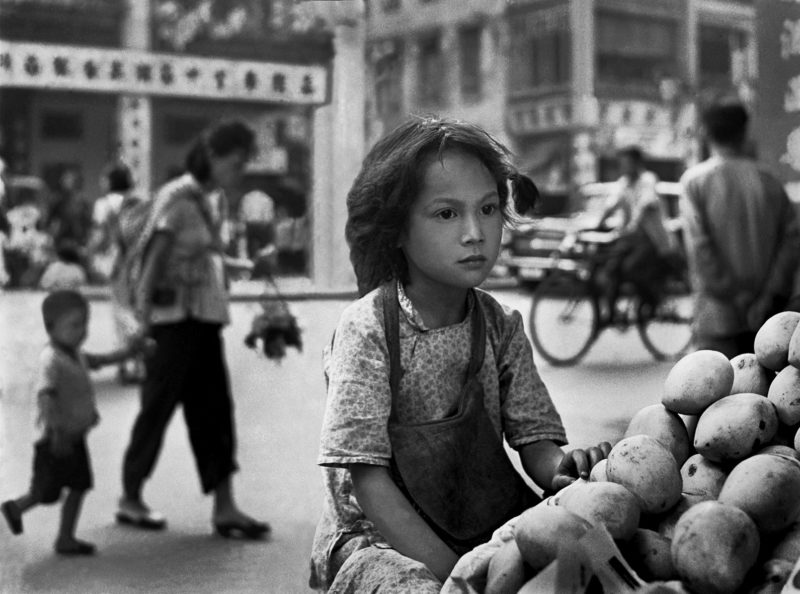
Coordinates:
[104,70]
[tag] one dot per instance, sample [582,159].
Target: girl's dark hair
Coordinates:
[219,141]
[390,181]
[119,178]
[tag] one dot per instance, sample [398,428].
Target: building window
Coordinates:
[388,79]
[62,125]
[469,43]
[723,55]
[633,49]
[540,51]
[430,91]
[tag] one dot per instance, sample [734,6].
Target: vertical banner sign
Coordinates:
[777,120]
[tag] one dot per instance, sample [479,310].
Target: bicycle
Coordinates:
[565,317]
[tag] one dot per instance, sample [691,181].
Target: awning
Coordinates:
[126,71]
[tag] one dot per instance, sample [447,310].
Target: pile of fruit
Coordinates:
[702,493]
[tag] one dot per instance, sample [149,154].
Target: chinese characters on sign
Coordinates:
[138,72]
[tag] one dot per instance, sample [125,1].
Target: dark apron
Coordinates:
[455,471]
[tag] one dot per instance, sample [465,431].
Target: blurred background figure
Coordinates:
[741,235]
[70,218]
[66,272]
[257,219]
[109,244]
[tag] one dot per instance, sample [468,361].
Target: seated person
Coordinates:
[643,238]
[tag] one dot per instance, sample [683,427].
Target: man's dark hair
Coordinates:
[726,123]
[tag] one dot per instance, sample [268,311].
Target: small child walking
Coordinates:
[67,411]
[428,375]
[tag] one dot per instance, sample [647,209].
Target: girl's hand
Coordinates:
[578,463]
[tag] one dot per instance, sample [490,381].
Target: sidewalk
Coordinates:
[295,288]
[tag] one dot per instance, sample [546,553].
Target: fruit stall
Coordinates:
[700,495]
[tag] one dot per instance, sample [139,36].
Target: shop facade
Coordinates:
[138,80]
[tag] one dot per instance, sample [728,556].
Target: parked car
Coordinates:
[530,249]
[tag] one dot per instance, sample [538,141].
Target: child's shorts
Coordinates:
[52,473]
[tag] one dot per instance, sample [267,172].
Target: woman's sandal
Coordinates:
[75,547]
[252,530]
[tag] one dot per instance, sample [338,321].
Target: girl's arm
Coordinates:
[394,517]
[552,469]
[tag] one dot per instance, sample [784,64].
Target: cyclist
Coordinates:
[643,244]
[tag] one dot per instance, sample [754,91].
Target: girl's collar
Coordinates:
[413,316]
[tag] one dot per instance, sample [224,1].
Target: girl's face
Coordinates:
[227,171]
[452,236]
[70,329]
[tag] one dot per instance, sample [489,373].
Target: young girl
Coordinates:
[426,374]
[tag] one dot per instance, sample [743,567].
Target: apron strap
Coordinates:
[391,324]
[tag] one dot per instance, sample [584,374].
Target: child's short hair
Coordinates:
[390,181]
[726,123]
[633,152]
[60,302]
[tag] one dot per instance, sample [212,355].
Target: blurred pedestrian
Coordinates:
[70,218]
[66,271]
[108,244]
[642,235]
[182,301]
[67,411]
[741,234]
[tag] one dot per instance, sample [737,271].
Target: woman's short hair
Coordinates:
[59,303]
[219,141]
[390,181]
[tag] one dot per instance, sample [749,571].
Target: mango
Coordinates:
[665,426]
[540,529]
[701,478]
[793,357]
[784,393]
[697,380]
[598,472]
[780,450]
[649,555]
[787,544]
[767,488]
[646,468]
[772,340]
[506,571]
[713,547]
[749,375]
[606,503]
[666,522]
[735,426]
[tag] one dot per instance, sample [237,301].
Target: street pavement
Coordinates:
[279,409]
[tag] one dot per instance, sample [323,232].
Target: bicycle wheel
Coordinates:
[666,331]
[563,319]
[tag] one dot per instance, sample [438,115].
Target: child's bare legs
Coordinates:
[14,508]
[66,543]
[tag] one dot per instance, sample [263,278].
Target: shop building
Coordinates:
[84,82]
[590,76]
[564,83]
[440,57]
